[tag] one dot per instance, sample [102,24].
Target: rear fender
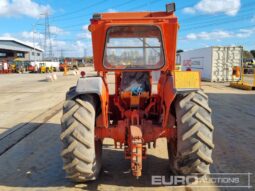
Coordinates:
[93,85]
[178,83]
[186,81]
[168,95]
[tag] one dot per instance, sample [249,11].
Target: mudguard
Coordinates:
[90,85]
[185,81]
[93,85]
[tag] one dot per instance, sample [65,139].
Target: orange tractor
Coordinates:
[136,46]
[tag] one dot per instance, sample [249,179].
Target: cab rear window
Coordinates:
[133,47]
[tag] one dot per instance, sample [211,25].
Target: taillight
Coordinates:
[83,74]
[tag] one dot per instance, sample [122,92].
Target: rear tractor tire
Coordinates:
[81,153]
[191,152]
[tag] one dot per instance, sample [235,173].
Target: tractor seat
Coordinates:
[135,82]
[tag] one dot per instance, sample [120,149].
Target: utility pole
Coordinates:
[34,54]
[85,52]
[61,53]
[40,38]
[34,42]
[47,38]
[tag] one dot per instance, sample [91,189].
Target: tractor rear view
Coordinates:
[133,46]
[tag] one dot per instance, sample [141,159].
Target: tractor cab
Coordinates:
[133,45]
[134,50]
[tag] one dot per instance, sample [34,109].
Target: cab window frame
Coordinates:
[144,68]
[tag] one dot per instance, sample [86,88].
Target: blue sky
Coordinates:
[203,22]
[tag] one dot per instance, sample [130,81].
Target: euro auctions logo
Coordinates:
[238,180]
[173,180]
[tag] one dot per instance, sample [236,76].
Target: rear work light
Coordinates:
[97,16]
[170,7]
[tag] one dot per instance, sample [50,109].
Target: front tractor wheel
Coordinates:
[81,153]
[191,151]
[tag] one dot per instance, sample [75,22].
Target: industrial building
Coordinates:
[11,49]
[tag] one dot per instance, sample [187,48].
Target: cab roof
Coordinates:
[134,16]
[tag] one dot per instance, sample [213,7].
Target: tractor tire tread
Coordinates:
[193,153]
[77,136]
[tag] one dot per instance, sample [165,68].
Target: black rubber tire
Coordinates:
[191,151]
[81,153]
